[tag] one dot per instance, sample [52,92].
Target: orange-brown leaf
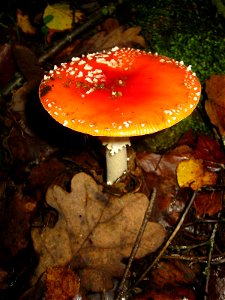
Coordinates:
[215,105]
[61,284]
[24,24]
[208,203]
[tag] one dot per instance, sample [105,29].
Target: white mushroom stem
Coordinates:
[116,157]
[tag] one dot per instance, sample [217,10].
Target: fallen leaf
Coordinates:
[7,66]
[210,151]
[205,157]
[61,283]
[208,203]
[59,16]
[173,293]
[24,24]
[193,173]
[94,232]
[160,172]
[132,36]
[173,273]
[115,35]
[43,174]
[217,283]
[29,66]
[16,223]
[28,63]
[25,148]
[215,105]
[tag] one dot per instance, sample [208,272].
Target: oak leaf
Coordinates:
[94,232]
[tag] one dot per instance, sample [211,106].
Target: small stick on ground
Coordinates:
[122,289]
[168,242]
[208,267]
[92,20]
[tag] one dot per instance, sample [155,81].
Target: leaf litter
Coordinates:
[94,232]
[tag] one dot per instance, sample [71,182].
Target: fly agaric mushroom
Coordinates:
[117,94]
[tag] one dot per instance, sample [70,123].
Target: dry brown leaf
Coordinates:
[61,284]
[117,37]
[16,222]
[208,203]
[25,148]
[173,273]
[160,172]
[172,293]
[29,66]
[131,35]
[94,232]
[24,24]
[7,66]
[215,105]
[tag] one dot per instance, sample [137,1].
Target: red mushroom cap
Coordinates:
[123,92]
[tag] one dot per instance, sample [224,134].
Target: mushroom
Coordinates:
[117,94]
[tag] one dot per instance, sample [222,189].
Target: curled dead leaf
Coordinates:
[94,232]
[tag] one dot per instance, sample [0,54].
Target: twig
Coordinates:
[208,267]
[166,244]
[92,20]
[121,288]
[189,247]
[216,259]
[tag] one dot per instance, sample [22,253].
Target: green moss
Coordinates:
[190,31]
[205,52]
[185,30]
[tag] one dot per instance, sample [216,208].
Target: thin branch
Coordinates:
[168,242]
[92,20]
[208,267]
[121,288]
[216,259]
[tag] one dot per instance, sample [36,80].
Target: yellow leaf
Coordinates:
[60,16]
[24,23]
[192,173]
